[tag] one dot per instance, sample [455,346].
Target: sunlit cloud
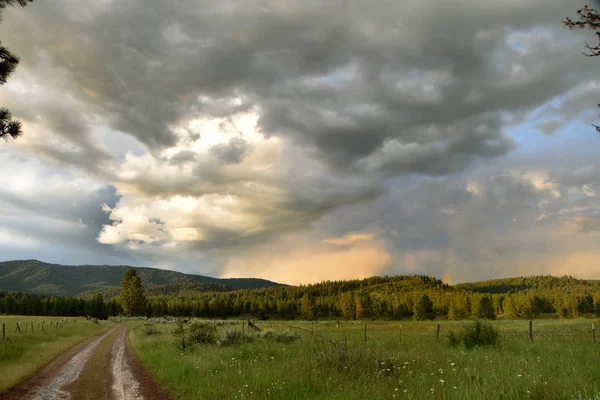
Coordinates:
[313,141]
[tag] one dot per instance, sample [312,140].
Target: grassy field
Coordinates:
[409,363]
[21,354]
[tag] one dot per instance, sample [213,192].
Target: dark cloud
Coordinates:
[345,78]
[232,152]
[258,119]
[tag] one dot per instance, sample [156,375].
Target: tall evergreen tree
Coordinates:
[423,308]
[308,307]
[132,296]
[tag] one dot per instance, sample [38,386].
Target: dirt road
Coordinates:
[103,367]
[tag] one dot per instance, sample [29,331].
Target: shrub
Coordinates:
[279,337]
[233,337]
[475,334]
[180,335]
[202,332]
[149,329]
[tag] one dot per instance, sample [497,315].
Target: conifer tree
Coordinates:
[308,307]
[9,127]
[132,296]
[509,308]
[346,305]
[423,308]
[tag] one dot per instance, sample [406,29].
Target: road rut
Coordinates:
[101,368]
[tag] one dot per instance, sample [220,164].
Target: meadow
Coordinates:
[23,353]
[398,360]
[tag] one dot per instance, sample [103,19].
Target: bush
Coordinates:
[202,332]
[233,337]
[279,337]
[149,329]
[180,335]
[475,334]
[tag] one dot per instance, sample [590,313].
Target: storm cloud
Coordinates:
[216,132]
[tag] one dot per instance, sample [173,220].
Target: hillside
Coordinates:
[169,289]
[542,282]
[32,276]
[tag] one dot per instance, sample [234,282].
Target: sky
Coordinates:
[303,141]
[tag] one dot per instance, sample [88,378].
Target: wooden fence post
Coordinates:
[531,330]
[400,332]
[337,324]
[437,334]
[31,326]
[26,326]
[18,328]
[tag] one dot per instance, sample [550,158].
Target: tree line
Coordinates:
[15,303]
[392,298]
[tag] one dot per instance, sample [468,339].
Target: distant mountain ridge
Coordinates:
[33,276]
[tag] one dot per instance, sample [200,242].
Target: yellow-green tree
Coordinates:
[308,307]
[423,308]
[132,296]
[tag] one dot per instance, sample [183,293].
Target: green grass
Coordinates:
[561,363]
[22,354]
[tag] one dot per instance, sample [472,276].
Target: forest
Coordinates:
[377,298]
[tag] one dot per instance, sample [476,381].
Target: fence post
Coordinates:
[337,324]
[3,331]
[400,332]
[26,326]
[531,330]
[271,325]
[437,335]
[594,332]
[243,325]
[18,328]
[31,326]
[312,328]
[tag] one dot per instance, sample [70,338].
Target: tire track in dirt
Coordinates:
[69,373]
[101,368]
[125,386]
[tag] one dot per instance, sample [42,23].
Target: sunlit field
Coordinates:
[397,360]
[22,353]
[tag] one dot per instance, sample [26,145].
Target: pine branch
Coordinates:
[9,128]
[8,63]
[10,3]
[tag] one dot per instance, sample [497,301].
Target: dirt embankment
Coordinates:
[101,368]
